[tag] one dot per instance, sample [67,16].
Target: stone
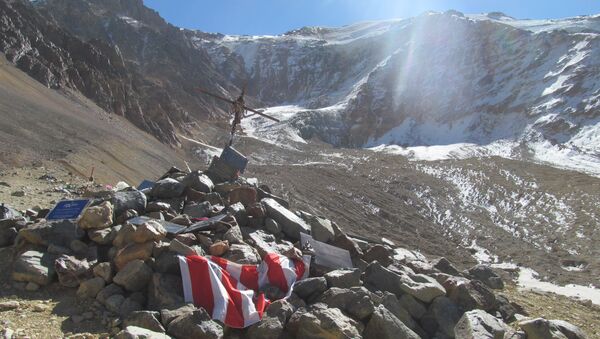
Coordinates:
[383,324]
[104,271]
[107,292]
[134,276]
[267,328]
[72,271]
[31,287]
[60,233]
[472,295]
[323,322]
[90,288]
[34,266]
[234,235]
[167,262]
[157,206]
[541,328]
[9,305]
[272,226]
[419,286]
[380,253]
[356,302]
[310,287]
[344,278]
[97,217]
[195,325]
[182,220]
[134,332]
[167,188]
[149,231]
[188,239]
[477,324]
[341,240]
[219,248]
[123,217]
[164,291]
[321,229]
[167,315]
[445,313]
[131,252]
[239,213]
[197,210]
[183,249]
[114,303]
[242,254]
[129,306]
[412,305]
[392,304]
[7,235]
[486,274]
[124,235]
[144,319]
[445,266]
[129,200]
[198,182]
[245,195]
[78,246]
[291,224]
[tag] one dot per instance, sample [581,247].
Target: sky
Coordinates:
[271,17]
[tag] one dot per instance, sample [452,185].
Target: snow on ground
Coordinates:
[528,279]
[269,131]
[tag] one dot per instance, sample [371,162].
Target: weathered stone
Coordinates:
[380,253]
[9,305]
[104,271]
[129,200]
[242,254]
[445,266]
[219,248]
[480,324]
[197,210]
[239,212]
[344,278]
[413,306]
[541,328]
[321,229]
[131,252]
[445,313]
[72,271]
[356,301]
[123,217]
[267,328]
[183,249]
[188,239]
[164,291]
[383,324]
[234,235]
[341,240]
[134,276]
[149,231]
[97,217]
[167,262]
[47,233]
[90,288]
[129,306]
[135,332]
[114,303]
[167,188]
[310,287]
[392,304]
[124,235]
[167,314]
[473,295]
[245,195]
[290,223]
[323,322]
[272,226]
[34,266]
[107,292]
[199,182]
[144,319]
[7,235]
[104,236]
[195,325]
[486,275]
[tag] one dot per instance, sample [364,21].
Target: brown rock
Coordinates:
[131,252]
[148,231]
[245,195]
[97,217]
[219,248]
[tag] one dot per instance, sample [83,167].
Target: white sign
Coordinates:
[328,255]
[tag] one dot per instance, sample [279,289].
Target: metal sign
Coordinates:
[328,255]
[68,210]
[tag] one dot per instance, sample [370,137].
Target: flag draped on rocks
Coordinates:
[229,292]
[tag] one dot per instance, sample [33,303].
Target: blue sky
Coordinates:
[257,17]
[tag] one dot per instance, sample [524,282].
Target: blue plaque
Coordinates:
[67,209]
[145,184]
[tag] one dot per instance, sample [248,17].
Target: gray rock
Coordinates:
[356,301]
[145,319]
[344,278]
[310,287]
[198,182]
[272,226]
[234,235]
[90,288]
[72,271]
[393,305]
[167,262]
[34,266]
[134,276]
[114,302]
[7,235]
[239,212]
[180,248]
[381,253]
[321,229]
[195,325]
[167,188]
[129,306]
[486,274]
[167,314]
[569,330]
[104,271]
[242,254]
[57,233]
[129,200]
[412,305]
[134,332]
[445,266]
[290,223]
[9,305]
[323,322]
[480,324]
[421,286]
[383,324]
[164,291]
[107,292]
[267,328]
[541,328]
[197,210]
[445,313]
[473,295]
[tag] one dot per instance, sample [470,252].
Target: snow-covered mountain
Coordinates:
[436,86]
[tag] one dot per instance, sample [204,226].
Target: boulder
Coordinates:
[129,306]
[107,292]
[178,247]
[114,303]
[197,210]
[383,324]
[124,236]
[104,236]
[52,233]
[244,195]
[242,254]
[72,271]
[393,305]
[486,275]
[272,226]
[445,266]
[472,295]
[167,188]
[188,239]
[541,328]
[134,276]
[34,266]
[380,253]
[128,200]
[8,233]
[356,301]
[421,286]
[341,240]
[135,332]
[239,213]
[321,229]
[195,325]
[445,313]
[144,319]
[290,223]
[323,322]
[164,291]
[219,248]
[131,252]
[310,287]
[267,328]
[167,315]
[97,217]
[234,235]
[90,288]
[104,271]
[149,231]
[412,305]
[480,324]
[198,182]
[344,278]
[167,262]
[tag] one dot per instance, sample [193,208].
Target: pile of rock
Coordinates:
[122,254]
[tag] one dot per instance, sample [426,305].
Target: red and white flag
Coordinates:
[229,292]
